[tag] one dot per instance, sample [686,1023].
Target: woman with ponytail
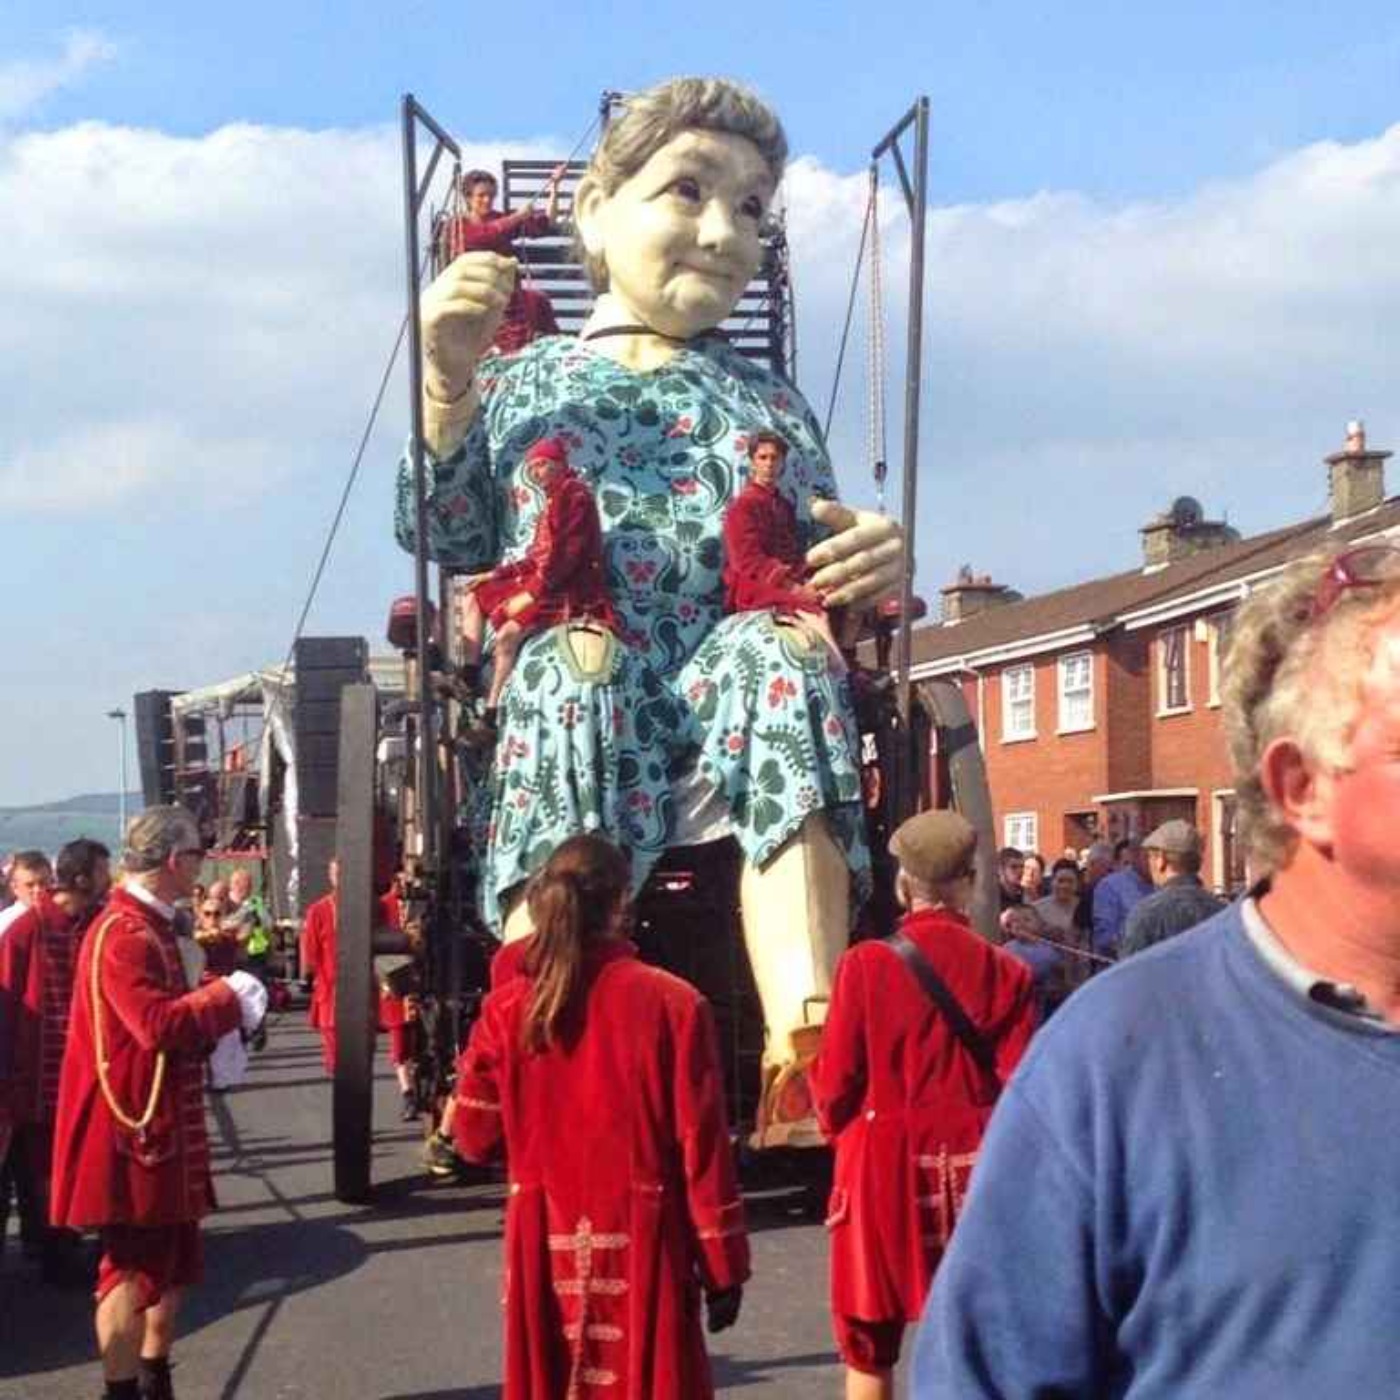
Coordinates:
[599,1078]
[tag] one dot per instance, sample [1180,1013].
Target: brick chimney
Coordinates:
[970,594]
[1355,476]
[1181,531]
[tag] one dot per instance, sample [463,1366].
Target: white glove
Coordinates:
[252,998]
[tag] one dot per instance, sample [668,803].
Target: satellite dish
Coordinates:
[1187,510]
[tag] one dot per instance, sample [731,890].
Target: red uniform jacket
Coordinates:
[37,955]
[907,1105]
[318,953]
[105,1173]
[563,568]
[763,563]
[623,1203]
[529,313]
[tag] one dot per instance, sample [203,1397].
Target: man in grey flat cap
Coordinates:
[1181,901]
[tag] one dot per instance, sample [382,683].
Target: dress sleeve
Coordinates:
[463,519]
[839,1074]
[712,1193]
[478,1125]
[133,987]
[1014,1309]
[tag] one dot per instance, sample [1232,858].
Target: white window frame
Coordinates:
[1219,625]
[1067,725]
[1163,708]
[1022,830]
[1016,734]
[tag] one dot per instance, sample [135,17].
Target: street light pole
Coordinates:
[120,716]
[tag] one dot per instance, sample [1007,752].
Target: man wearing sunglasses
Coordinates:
[1189,1187]
[131,1153]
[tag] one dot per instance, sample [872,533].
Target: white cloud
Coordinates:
[194,327]
[25,82]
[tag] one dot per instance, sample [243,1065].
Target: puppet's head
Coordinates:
[669,211]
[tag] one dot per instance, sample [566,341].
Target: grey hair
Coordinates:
[156,834]
[654,118]
[1286,673]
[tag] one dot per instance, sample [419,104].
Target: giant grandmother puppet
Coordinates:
[684,725]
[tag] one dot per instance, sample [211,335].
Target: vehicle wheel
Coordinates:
[356,1018]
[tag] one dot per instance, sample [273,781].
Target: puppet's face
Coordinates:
[680,238]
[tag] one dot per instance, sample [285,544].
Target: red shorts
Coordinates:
[403,1042]
[870,1347]
[156,1258]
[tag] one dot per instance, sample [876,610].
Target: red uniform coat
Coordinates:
[623,1203]
[529,313]
[563,568]
[37,955]
[105,1173]
[763,561]
[907,1105]
[318,953]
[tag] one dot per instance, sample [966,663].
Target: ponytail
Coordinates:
[572,901]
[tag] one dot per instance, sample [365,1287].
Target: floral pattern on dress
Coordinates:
[769,723]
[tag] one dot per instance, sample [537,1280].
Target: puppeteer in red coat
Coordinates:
[623,1202]
[529,313]
[906,1104]
[131,1147]
[318,954]
[562,571]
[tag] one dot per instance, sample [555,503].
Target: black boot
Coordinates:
[153,1378]
[122,1390]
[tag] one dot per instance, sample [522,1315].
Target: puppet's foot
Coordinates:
[786,1114]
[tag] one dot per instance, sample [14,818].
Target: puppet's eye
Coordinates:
[752,208]
[687,189]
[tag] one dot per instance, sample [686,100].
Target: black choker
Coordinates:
[631,330]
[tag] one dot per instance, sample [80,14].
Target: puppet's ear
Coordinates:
[590,201]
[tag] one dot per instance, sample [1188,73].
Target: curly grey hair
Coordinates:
[156,834]
[1287,673]
[654,118]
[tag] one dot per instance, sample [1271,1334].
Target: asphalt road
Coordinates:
[305,1297]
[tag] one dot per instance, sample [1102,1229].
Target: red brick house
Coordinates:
[1097,705]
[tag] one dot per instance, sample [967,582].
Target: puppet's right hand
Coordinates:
[462,310]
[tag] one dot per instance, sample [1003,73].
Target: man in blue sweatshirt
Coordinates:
[1191,1185]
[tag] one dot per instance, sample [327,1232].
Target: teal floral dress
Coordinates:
[698,725]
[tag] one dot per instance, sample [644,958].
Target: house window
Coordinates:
[1172,689]
[1076,692]
[1217,644]
[1021,831]
[1018,703]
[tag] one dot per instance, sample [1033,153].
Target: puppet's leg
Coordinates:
[796,914]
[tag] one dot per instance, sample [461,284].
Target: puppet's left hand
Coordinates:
[862,562]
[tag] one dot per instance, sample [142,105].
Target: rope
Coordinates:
[135,1125]
[850,312]
[876,437]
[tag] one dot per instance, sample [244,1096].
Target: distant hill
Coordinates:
[48,825]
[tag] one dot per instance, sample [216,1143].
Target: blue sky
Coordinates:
[1161,260]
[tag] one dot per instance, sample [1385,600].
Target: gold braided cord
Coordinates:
[135,1125]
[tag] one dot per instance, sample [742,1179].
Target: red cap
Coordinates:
[551,449]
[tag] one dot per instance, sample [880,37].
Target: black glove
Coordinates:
[722,1308]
